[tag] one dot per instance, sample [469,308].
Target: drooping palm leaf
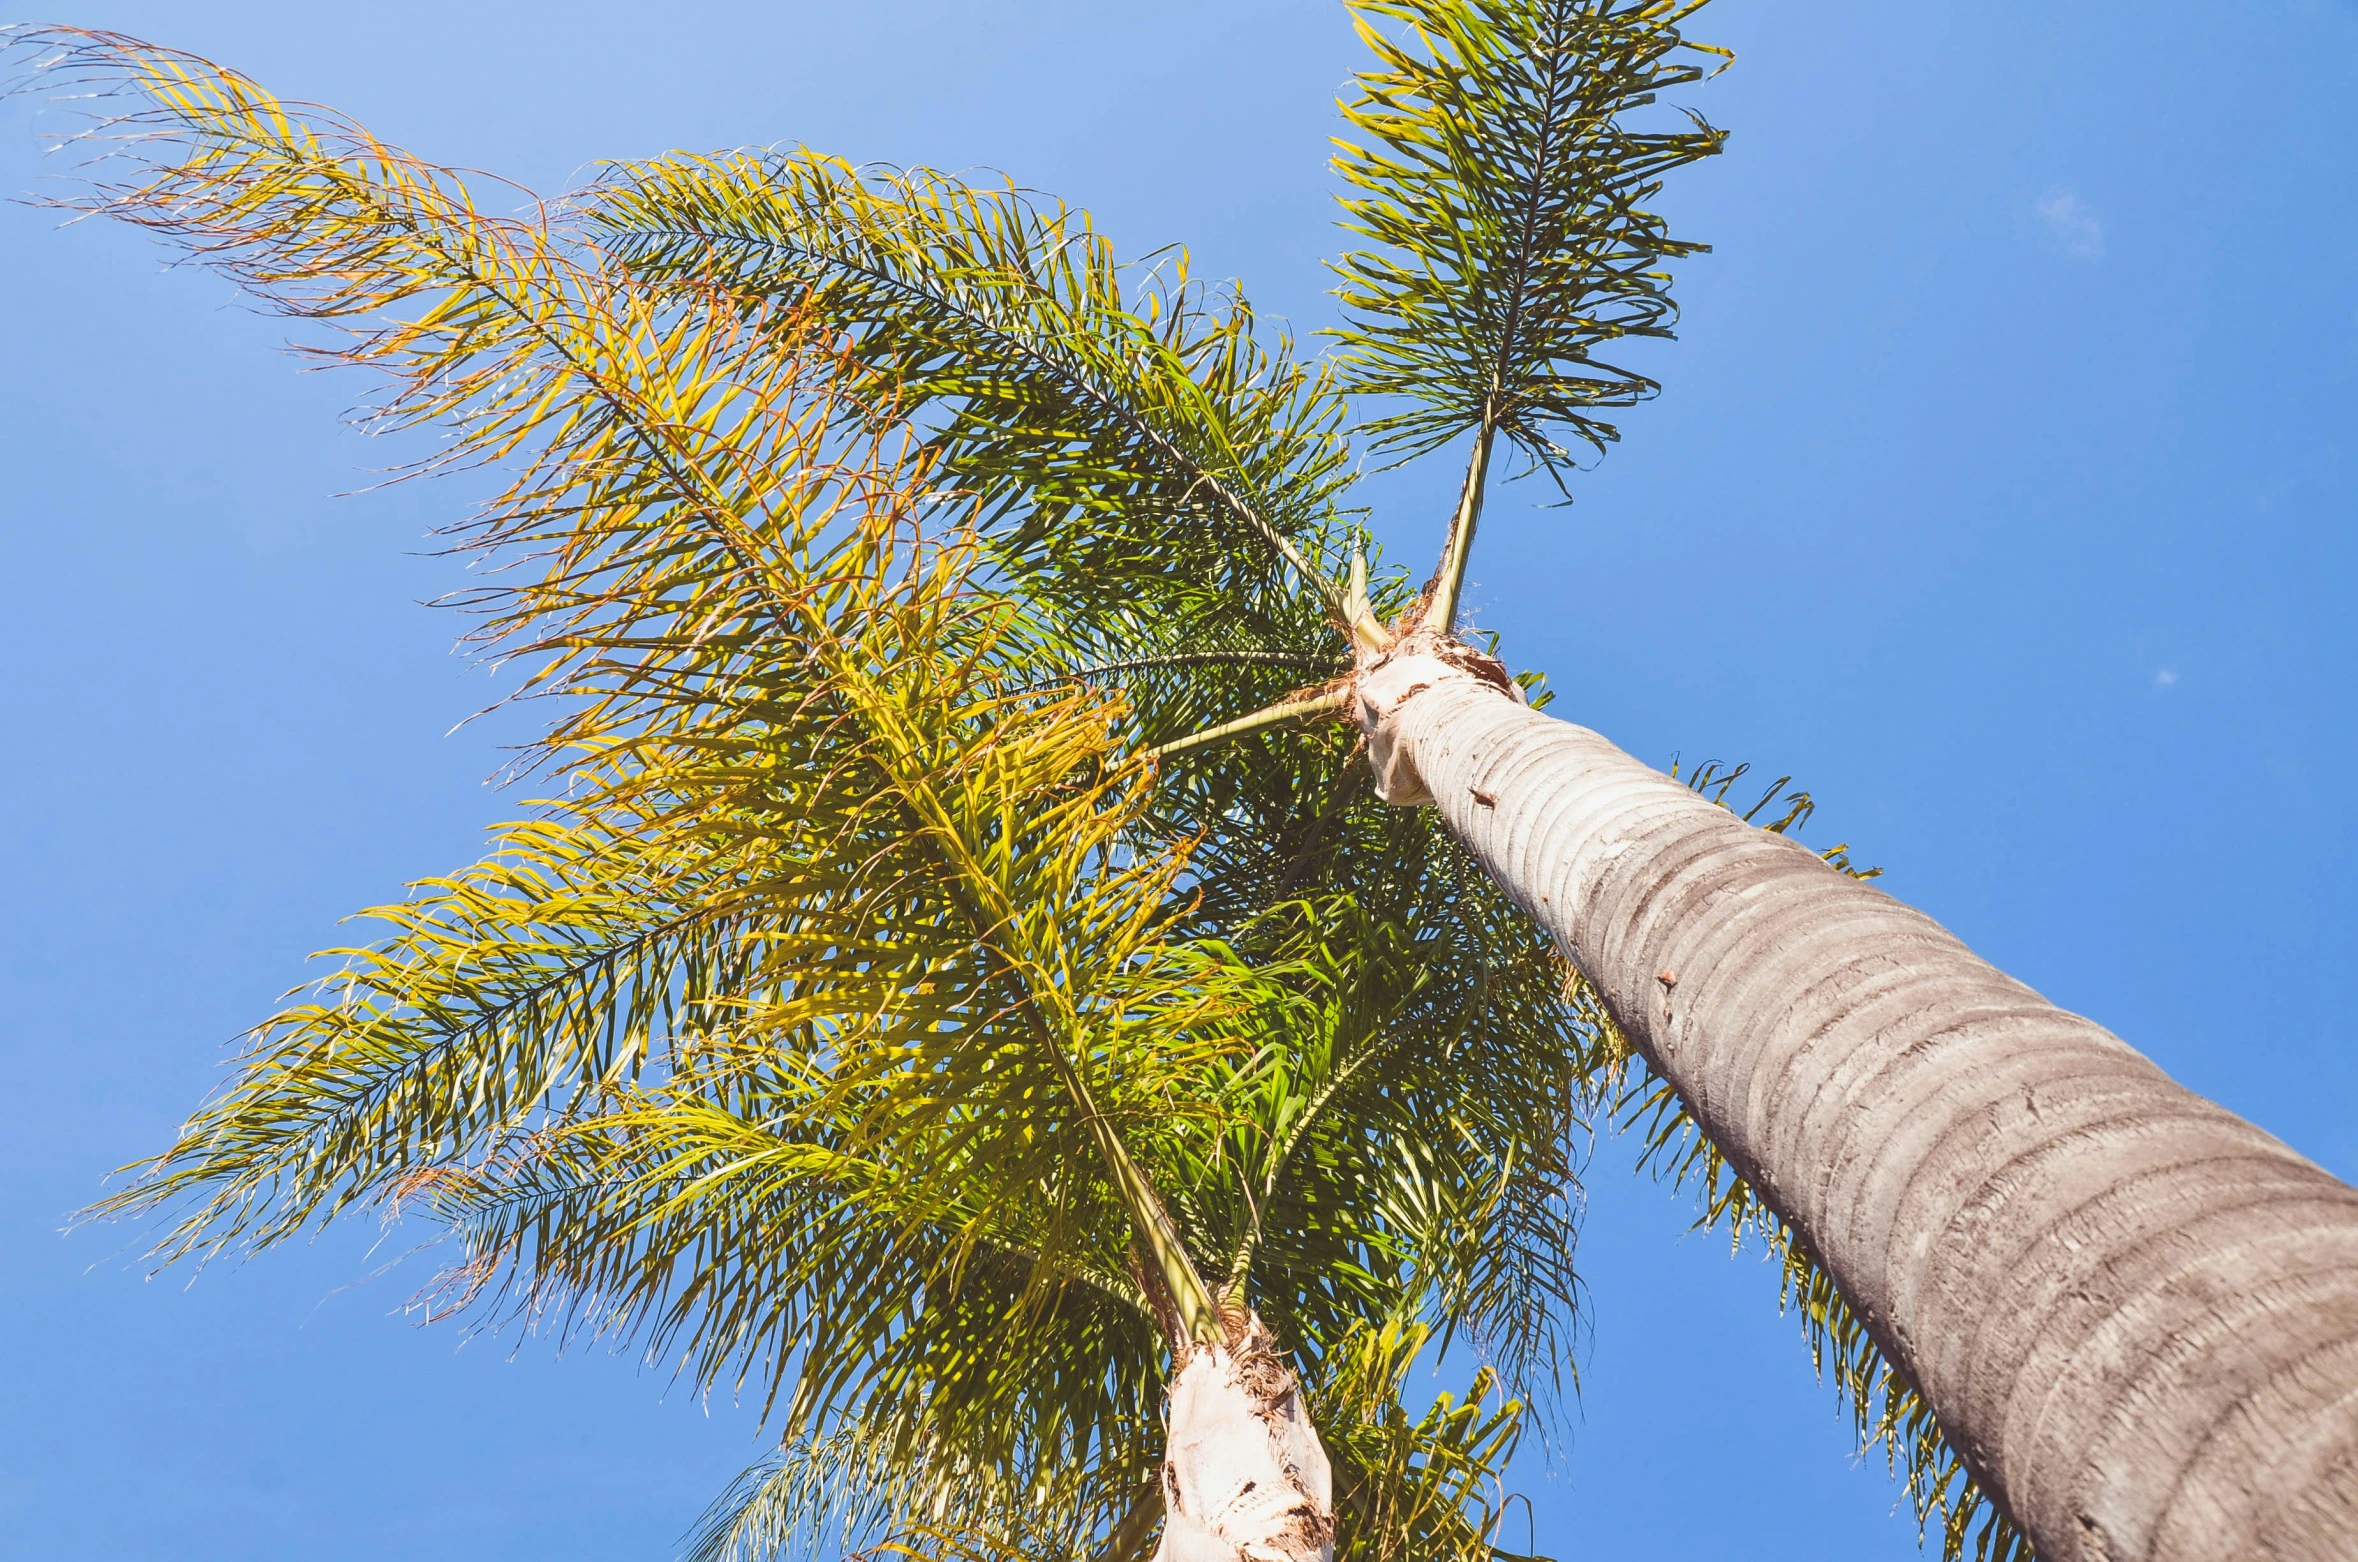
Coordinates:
[1419,1134]
[856,1493]
[929,946]
[1424,1487]
[774,684]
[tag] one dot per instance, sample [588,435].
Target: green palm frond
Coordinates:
[764,656]
[818,1496]
[757,1236]
[545,975]
[1505,190]
[1504,186]
[856,1492]
[1125,428]
[1425,1487]
[1419,1136]
[550,968]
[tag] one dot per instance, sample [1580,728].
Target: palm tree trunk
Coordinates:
[2134,1314]
[1245,1478]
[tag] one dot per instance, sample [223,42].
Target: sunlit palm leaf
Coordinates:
[1415,1486]
[1124,428]
[856,1491]
[1500,175]
[776,684]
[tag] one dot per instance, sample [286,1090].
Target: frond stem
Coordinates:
[1272,716]
[1305,661]
[1449,576]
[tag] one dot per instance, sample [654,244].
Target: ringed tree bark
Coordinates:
[2134,1314]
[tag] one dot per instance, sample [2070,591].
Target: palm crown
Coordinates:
[953,964]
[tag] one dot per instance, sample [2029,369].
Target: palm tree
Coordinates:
[2132,1316]
[867,1021]
[868,926]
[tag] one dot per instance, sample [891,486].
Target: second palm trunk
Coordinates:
[1245,1478]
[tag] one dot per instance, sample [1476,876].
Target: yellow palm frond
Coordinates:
[863,999]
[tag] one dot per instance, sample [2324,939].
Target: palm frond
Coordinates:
[1125,428]
[647,438]
[817,1497]
[552,972]
[763,653]
[1426,1136]
[1504,186]
[1427,1487]
[856,1490]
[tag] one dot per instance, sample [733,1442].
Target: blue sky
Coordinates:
[2000,491]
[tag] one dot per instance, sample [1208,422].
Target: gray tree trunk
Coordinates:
[2134,1314]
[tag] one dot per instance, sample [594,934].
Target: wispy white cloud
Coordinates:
[2166,678]
[2075,226]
